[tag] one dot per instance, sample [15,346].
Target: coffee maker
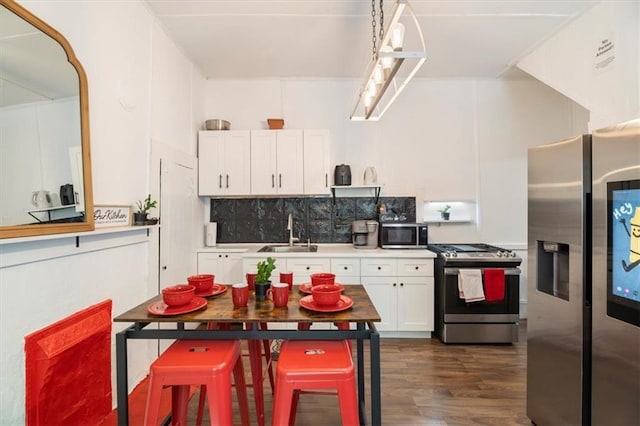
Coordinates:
[365,234]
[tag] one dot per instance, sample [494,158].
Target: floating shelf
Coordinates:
[462,211]
[375,188]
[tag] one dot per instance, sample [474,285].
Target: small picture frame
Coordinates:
[111,215]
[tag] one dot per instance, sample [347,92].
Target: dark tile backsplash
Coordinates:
[264,220]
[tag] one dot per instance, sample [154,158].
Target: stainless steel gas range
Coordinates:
[477,291]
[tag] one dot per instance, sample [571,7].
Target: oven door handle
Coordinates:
[507,271]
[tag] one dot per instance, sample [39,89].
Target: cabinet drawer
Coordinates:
[302,268]
[415,267]
[378,267]
[345,266]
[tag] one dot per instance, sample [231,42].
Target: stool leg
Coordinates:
[241,391]
[201,400]
[153,402]
[220,404]
[267,351]
[282,402]
[294,407]
[179,404]
[348,403]
[256,378]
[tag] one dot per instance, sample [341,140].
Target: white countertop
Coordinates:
[250,250]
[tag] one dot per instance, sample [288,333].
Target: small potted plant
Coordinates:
[140,217]
[444,212]
[263,281]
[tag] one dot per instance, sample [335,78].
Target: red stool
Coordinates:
[257,376]
[314,364]
[195,362]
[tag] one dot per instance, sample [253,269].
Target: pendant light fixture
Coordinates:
[382,83]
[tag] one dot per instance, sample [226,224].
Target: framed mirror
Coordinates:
[45,161]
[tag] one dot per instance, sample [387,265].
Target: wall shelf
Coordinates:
[461,211]
[374,188]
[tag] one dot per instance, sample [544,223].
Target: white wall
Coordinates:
[139,87]
[568,62]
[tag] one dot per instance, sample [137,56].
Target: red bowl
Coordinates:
[323,278]
[178,295]
[201,282]
[326,295]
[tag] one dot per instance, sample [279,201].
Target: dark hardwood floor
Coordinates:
[425,382]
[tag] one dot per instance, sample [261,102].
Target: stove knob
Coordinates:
[513,254]
[454,254]
[500,254]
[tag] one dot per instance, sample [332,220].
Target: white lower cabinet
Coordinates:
[227,267]
[402,292]
[303,267]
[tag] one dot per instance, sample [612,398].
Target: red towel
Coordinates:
[494,285]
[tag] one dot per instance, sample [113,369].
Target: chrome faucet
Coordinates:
[292,239]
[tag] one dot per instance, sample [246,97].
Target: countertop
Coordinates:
[250,250]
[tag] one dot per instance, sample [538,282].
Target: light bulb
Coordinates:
[377,74]
[372,89]
[397,36]
[386,61]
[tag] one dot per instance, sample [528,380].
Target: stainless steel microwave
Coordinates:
[401,235]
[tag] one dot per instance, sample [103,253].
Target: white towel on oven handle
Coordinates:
[470,285]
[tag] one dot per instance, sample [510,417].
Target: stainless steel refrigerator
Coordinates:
[583,321]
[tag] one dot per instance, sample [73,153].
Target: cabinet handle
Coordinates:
[279,180]
[227,181]
[308,268]
[417,267]
[273,180]
[401,284]
[346,267]
[226,255]
[219,255]
[379,268]
[220,182]
[394,284]
[326,180]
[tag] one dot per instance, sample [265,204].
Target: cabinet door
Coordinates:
[317,157]
[210,263]
[232,269]
[302,268]
[237,163]
[383,293]
[263,162]
[415,303]
[290,175]
[210,163]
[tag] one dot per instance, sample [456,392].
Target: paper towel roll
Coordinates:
[211,234]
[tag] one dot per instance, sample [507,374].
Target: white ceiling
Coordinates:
[256,39]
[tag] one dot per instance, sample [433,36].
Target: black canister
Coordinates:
[66,195]
[342,175]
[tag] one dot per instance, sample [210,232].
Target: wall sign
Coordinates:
[105,216]
[604,54]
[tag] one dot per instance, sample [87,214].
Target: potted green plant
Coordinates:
[265,268]
[444,212]
[140,217]
[263,281]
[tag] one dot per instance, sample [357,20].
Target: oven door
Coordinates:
[457,309]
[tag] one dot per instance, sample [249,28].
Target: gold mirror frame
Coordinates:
[14,231]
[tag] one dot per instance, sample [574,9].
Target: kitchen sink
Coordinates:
[283,248]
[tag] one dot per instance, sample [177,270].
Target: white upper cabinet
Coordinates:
[317,178]
[224,162]
[276,162]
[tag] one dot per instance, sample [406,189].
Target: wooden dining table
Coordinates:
[219,308]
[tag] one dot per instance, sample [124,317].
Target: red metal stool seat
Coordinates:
[198,362]
[314,364]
